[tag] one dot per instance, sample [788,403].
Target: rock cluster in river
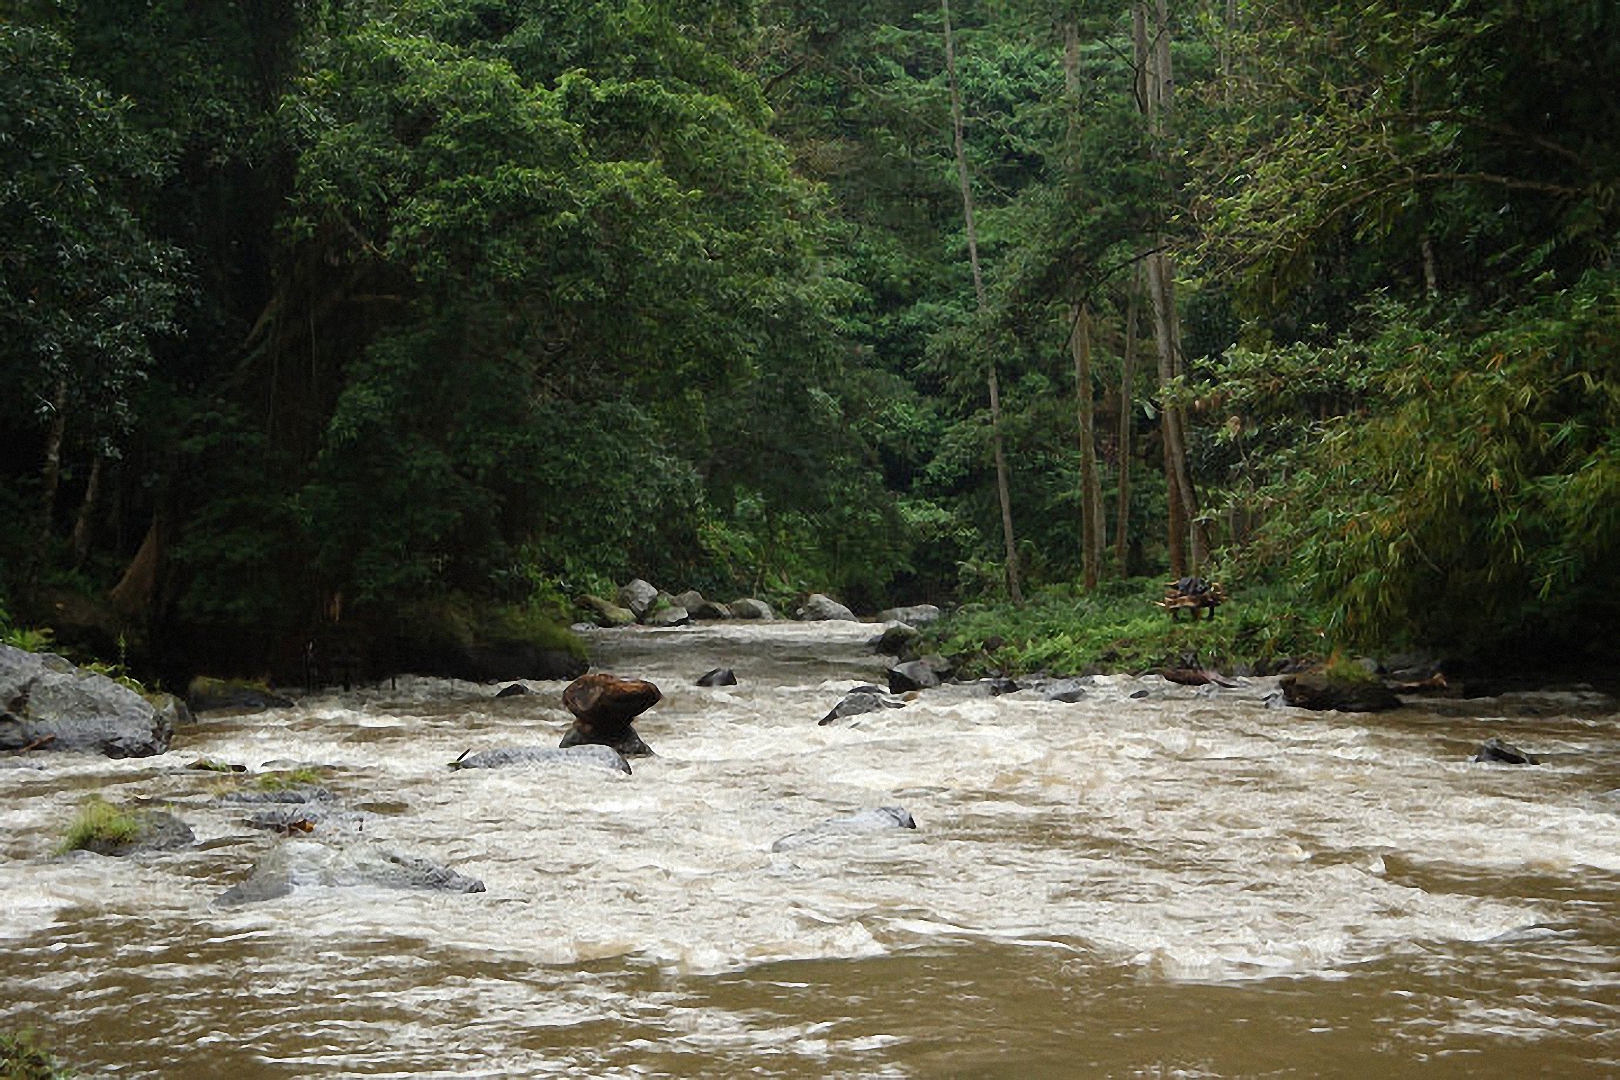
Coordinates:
[640,601]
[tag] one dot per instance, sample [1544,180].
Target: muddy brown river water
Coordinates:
[1186,884]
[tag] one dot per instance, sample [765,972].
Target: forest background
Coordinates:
[329,313]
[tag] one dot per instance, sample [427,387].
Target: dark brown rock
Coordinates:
[1319,691]
[603,706]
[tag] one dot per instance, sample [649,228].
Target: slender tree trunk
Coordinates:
[1093,529]
[1093,521]
[1127,385]
[1003,491]
[51,474]
[87,512]
[1156,81]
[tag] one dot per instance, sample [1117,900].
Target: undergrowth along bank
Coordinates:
[1118,627]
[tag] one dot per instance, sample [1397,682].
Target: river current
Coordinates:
[1156,881]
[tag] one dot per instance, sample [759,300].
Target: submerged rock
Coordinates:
[876,820]
[299,863]
[603,706]
[48,704]
[591,755]
[720,676]
[516,689]
[862,699]
[293,793]
[1504,753]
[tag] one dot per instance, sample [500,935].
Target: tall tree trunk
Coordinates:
[1093,529]
[87,512]
[1003,491]
[1093,522]
[51,474]
[1156,80]
[1127,403]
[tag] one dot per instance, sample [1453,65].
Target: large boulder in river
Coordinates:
[749,608]
[48,704]
[603,706]
[297,863]
[638,596]
[1320,691]
[822,608]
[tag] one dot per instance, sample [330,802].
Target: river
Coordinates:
[1176,883]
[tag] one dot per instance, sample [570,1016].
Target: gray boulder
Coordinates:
[1067,691]
[912,675]
[1504,753]
[820,607]
[720,676]
[749,608]
[589,755]
[48,704]
[699,608]
[916,615]
[666,614]
[638,596]
[299,863]
[865,822]
[859,700]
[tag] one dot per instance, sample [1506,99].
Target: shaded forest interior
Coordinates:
[320,319]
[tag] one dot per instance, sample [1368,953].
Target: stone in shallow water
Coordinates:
[592,755]
[865,822]
[1504,753]
[720,676]
[862,699]
[300,863]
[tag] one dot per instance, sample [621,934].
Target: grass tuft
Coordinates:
[99,823]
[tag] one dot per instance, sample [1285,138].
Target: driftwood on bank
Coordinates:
[1192,594]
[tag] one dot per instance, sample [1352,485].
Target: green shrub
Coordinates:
[22,1058]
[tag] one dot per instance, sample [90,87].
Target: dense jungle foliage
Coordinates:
[319,311]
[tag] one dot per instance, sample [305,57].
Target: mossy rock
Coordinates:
[109,830]
[240,695]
